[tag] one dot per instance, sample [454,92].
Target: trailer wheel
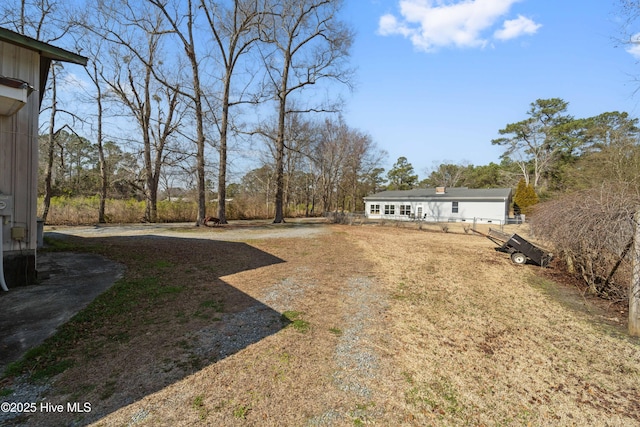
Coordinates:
[518,258]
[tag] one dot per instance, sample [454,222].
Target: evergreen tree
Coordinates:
[524,197]
[401,176]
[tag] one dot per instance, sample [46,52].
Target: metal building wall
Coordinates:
[19,162]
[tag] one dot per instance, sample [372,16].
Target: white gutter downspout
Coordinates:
[3,284]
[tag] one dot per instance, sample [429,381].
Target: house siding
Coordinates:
[439,208]
[19,157]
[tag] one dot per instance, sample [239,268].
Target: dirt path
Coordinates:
[383,326]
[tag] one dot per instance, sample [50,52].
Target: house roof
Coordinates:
[454,193]
[46,50]
[47,53]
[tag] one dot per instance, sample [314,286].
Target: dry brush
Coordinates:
[592,232]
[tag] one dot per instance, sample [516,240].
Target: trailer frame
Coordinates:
[519,249]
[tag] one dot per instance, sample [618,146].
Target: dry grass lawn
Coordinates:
[386,326]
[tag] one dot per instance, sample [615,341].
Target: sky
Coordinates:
[437,79]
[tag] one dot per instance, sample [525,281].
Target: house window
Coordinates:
[389,209]
[405,209]
[454,207]
[375,209]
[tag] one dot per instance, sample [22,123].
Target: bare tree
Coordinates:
[306,43]
[332,154]
[48,191]
[136,54]
[92,45]
[634,288]
[44,20]
[235,31]
[182,22]
[447,174]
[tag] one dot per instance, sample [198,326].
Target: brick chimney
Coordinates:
[440,190]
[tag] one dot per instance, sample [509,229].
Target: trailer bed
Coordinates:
[518,248]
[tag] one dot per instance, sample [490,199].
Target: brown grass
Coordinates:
[406,327]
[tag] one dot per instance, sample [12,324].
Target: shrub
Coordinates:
[524,197]
[592,231]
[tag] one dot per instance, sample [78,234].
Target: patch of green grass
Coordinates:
[359,414]
[241,411]
[282,366]
[408,377]
[336,331]
[113,307]
[6,392]
[182,317]
[42,362]
[294,320]
[81,392]
[438,396]
[108,389]
[192,364]
[53,369]
[401,293]
[52,244]
[285,358]
[217,305]
[120,337]
[198,405]
[162,264]
[185,344]
[209,309]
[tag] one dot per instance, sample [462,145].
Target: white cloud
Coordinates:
[72,82]
[514,28]
[634,49]
[430,24]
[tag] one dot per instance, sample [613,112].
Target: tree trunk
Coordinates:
[50,149]
[634,289]
[200,161]
[279,199]
[222,174]
[101,159]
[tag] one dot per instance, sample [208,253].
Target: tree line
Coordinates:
[327,165]
[178,83]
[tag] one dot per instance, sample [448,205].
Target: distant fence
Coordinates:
[345,217]
[361,218]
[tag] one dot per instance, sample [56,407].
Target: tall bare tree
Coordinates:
[234,30]
[181,17]
[306,44]
[634,287]
[332,154]
[92,45]
[136,53]
[51,133]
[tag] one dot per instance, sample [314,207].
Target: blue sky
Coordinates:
[438,79]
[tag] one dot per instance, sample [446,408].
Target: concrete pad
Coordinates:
[68,282]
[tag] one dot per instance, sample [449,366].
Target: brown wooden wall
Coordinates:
[19,147]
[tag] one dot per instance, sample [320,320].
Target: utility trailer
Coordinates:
[518,248]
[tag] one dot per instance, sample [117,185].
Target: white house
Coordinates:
[440,204]
[24,66]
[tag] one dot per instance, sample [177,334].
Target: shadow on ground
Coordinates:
[169,316]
